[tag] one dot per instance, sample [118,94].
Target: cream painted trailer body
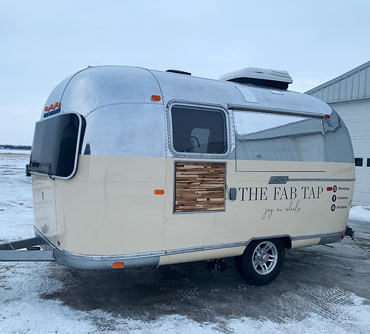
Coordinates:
[134,167]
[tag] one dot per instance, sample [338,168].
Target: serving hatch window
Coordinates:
[277,137]
[55,146]
[199,130]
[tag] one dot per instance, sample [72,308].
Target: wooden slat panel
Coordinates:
[200,186]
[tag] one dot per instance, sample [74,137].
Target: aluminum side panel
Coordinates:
[302,206]
[109,207]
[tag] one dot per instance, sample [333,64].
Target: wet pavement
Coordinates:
[314,281]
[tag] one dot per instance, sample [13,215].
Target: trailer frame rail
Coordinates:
[26,250]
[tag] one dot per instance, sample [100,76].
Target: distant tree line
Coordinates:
[16,147]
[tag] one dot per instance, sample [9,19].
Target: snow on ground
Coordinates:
[14,151]
[16,212]
[321,289]
[360,213]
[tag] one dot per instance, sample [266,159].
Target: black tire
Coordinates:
[259,269]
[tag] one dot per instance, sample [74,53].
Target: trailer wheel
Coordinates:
[261,261]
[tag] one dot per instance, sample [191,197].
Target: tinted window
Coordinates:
[199,130]
[55,145]
[358,162]
[368,162]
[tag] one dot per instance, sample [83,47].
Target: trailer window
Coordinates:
[359,162]
[199,130]
[265,136]
[55,146]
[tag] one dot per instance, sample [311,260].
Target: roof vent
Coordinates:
[179,72]
[260,77]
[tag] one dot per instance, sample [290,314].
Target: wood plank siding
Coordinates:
[200,186]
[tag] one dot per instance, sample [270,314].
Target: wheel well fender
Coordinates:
[287,242]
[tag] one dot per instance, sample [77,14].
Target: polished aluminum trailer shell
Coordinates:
[107,212]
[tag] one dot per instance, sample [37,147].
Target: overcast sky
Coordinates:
[42,42]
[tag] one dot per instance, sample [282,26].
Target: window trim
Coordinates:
[206,106]
[80,126]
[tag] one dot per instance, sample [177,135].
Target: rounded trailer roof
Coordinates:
[97,87]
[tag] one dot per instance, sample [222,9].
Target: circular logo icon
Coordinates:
[334,198]
[333,207]
[335,188]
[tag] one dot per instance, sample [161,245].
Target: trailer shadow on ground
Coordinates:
[317,280]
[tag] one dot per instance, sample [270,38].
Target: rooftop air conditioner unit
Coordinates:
[260,77]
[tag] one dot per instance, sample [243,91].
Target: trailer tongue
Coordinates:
[33,249]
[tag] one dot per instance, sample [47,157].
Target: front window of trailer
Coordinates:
[56,145]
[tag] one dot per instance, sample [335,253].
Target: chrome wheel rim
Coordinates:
[265,257]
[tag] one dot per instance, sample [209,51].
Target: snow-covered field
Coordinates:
[16,213]
[360,213]
[321,289]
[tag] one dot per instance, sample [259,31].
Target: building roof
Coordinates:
[352,85]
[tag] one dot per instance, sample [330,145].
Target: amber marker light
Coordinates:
[51,106]
[56,104]
[158,192]
[117,265]
[46,109]
[155,98]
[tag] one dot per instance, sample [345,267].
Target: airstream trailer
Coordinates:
[134,167]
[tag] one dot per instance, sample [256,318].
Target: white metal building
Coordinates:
[349,95]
